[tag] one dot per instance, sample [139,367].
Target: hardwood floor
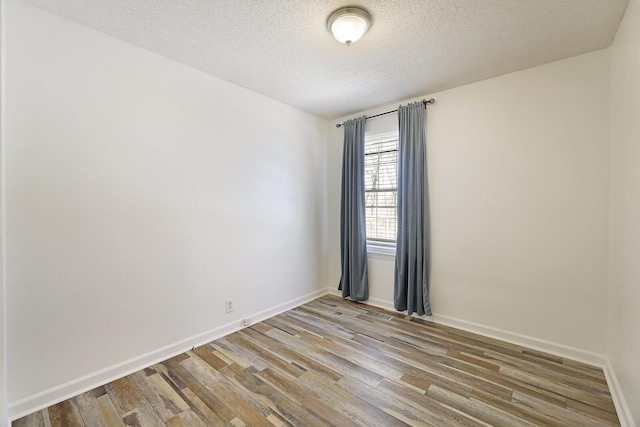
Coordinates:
[334,362]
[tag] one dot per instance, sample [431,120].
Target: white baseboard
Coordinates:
[74,387]
[500,334]
[557,349]
[376,302]
[624,413]
[53,395]
[387,305]
[550,347]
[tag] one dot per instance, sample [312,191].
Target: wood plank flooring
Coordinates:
[334,362]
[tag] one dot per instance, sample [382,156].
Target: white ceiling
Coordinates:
[282,48]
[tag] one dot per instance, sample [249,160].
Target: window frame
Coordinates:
[376,246]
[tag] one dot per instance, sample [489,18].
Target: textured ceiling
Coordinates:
[282,48]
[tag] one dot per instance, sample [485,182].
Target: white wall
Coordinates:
[3,394]
[140,195]
[624,257]
[517,170]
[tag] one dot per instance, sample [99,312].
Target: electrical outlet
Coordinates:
[246,322]
[228,308]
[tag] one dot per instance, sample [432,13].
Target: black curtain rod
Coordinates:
[424,101]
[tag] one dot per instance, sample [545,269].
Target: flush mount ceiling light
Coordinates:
[349,24]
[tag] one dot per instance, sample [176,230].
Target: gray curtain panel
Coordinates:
[353,240]
[411,287]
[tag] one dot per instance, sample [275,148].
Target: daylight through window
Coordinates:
[380,181]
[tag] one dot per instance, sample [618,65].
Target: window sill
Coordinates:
[380,251]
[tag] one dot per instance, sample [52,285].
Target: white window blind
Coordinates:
[380,181]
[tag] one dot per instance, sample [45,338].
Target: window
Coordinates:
[380,185]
